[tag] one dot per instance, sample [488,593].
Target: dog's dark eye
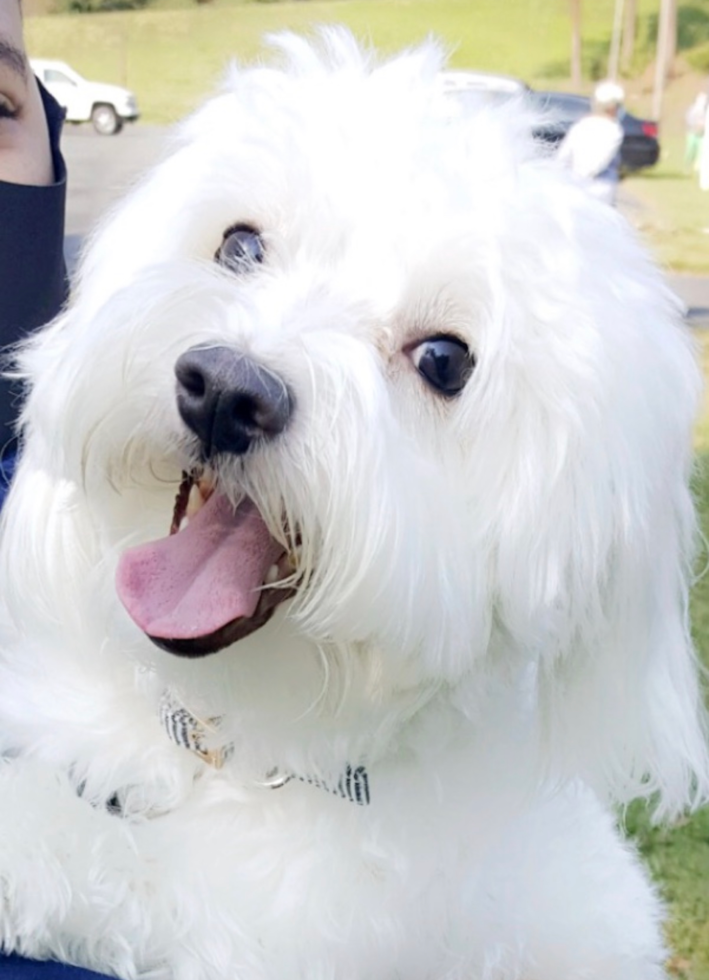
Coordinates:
[445,363]
[241,249]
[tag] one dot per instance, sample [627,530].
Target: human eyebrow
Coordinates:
[13,58]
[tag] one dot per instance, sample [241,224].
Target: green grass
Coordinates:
[673,212]
[678,857]
[173,53]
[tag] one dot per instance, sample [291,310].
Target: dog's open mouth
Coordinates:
[213,580]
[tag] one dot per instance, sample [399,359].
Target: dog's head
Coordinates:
[405,382]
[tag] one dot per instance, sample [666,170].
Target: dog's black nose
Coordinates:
[229,400]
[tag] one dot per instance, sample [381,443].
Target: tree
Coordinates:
[575,10]
[614,56]
[630,27]
[98,6]
[665,52]
[671,48]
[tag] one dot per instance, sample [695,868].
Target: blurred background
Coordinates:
[169,54]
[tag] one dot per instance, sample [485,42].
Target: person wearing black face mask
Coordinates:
[33,283]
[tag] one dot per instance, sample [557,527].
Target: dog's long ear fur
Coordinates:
[624,706]
[597,518]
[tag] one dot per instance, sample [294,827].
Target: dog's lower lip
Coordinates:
[230,633]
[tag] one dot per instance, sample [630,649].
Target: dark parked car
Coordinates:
[640,147]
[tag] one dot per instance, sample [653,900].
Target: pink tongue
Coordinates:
[192,583]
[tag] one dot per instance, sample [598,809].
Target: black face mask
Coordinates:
[33,283]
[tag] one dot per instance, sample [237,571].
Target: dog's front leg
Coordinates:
[73,885]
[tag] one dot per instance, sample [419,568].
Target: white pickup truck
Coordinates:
[107,107]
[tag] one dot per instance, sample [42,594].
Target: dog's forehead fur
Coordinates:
[335,159]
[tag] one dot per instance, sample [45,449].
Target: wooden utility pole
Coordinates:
[614,56]
[630,26]
[671,52]
[666,47]
[575,11]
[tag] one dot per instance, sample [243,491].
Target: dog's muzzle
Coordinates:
[220,574]
[229,400]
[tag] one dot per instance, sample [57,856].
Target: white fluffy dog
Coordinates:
[419,411]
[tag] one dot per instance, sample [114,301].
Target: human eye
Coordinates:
[13,77]
[8,110]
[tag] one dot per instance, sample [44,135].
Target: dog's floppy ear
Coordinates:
[624,704]
[596,535]
[625,698]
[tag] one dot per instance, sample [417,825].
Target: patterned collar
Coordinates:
[191,732]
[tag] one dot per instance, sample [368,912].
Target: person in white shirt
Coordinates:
[591,148]
[695,121]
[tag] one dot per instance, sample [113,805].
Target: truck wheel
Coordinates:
[106,120]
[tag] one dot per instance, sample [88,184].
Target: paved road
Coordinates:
[101,168]
[694,290]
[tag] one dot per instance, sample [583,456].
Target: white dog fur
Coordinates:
[490,608]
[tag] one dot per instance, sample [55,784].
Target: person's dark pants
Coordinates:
[13,967]
[7,470]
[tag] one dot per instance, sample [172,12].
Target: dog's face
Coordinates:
[385,369]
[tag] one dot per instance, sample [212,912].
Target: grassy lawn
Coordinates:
[671,211]
[678,859]
[678,856]
[173,53]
